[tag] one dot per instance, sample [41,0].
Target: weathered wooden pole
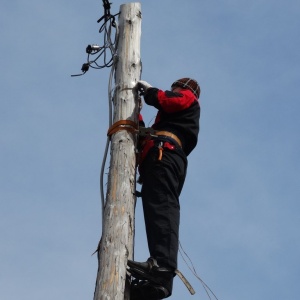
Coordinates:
[116,245]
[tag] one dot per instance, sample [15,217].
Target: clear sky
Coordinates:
[240,204]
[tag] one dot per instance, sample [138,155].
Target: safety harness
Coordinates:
[148,136]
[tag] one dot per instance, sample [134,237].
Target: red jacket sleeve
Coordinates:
[171,102]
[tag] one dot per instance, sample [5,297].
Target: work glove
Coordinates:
[143,86]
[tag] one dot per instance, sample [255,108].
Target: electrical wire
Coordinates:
[193,270]
[107,51]
[113,48]
[110,98]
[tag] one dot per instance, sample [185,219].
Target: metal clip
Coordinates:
[147,131]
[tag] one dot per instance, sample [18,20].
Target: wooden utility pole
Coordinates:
[116,245]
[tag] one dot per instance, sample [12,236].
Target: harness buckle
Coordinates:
[147,131]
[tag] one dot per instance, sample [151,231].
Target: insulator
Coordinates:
[91,48]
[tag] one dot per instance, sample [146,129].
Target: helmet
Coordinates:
[188,83]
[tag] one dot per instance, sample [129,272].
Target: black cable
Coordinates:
[107,50]
[193,270]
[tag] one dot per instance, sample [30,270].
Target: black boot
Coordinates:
[146,290]
[153,280]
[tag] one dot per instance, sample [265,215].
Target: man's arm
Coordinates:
[168,101]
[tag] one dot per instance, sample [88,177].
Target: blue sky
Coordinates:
[240,204]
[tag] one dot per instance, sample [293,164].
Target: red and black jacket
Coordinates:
[178,113]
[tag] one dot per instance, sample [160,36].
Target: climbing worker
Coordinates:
[162,168]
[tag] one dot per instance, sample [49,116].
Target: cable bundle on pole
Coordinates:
[107,50]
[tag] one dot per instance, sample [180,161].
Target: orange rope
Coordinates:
[128,125]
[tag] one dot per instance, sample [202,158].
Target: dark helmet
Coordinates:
[188,83]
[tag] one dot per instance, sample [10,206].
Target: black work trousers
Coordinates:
[162,184]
